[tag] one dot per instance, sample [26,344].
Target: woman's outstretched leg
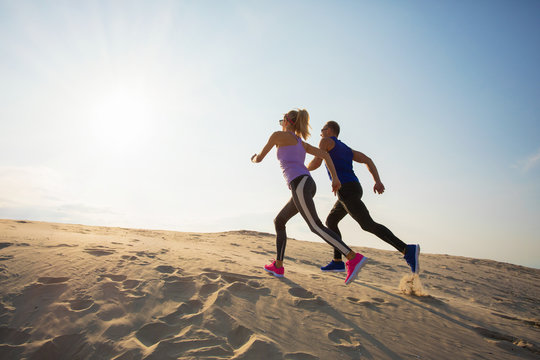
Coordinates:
[304,190]
[288,211]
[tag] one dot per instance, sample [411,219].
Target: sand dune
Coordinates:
[82,292]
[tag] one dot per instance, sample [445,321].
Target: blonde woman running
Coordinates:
[291,153]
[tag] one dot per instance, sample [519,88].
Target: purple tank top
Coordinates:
[291,159]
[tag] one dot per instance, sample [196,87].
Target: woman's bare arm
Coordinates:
[278,138]
[325,144]
[336,184]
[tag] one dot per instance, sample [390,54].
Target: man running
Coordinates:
[350,197]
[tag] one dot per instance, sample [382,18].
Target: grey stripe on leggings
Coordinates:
[319,229]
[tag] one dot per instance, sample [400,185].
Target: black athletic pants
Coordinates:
[303,190]
[350,202]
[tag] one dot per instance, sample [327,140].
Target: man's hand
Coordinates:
[378,188]
[255,158]
[336,185]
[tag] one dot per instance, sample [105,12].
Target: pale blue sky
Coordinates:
[145,114]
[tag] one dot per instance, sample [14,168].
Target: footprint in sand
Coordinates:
[153,333]
[238,336]
[5,244]
[301,293]
[73,346]
[109,312]
[218,321]
[250,291]
[41,293]
[11,336]
[60,245]
[210,275]
[255,347]
[127,284]
[372,304]
[231,277]
[300,356]
[165,269]
[118,331]
[508,342]
[365,303]
[306,299]
[353,352]
[131,284]
[346,343]
[99,251]
[52,280]
[171,278]
[80,304]
[244,286]
[183,311]
[179,288]
[210,347]
[114,277]
[146,254]
[208,289]
[340,336]
[228,261]
[131,354]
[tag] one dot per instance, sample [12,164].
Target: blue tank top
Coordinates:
[342,157]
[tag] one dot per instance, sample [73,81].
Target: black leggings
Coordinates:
[303,190]
[350,202]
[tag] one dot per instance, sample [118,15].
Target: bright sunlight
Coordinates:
[121,118]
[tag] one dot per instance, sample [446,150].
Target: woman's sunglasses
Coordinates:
[286,118]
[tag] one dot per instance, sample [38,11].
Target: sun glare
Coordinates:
[121,118]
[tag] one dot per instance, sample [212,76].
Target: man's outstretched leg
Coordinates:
[351,197]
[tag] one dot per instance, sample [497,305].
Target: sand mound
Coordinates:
[80,292]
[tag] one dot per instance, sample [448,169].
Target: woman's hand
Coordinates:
[336,185]
[255,158]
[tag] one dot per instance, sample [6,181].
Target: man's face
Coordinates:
[326,131]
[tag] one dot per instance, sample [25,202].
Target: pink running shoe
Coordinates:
[353,267]
[279,272]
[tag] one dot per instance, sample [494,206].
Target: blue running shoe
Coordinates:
[411,256]
[336,266]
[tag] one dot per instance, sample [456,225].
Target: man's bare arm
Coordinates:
[363,159]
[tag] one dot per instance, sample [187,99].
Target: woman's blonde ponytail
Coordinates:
[300,119]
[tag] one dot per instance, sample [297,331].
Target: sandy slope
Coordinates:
[81,292]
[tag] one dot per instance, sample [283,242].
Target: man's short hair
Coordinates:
[334,126]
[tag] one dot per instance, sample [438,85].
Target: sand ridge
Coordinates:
[75,291]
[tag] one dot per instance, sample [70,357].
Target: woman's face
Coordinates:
[284,122]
